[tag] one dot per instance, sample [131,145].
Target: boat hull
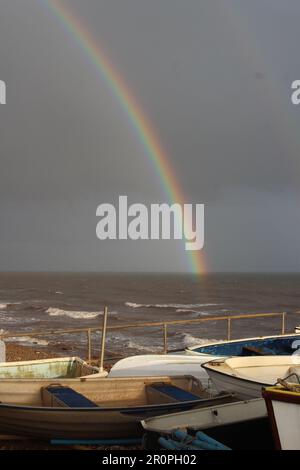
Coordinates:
[93,423]
[278,345]
[284,415]
[160,365]
[209,417]
[54,368]
[246,376]
[120,405]
[243,388]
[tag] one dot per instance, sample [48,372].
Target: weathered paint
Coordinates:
[52,369]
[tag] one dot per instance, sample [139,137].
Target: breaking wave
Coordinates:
[76,314]
[196,313]
[4,306]
[26,340]
[190,340]
[57,312]
[186,307]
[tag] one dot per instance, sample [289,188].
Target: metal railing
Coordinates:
[161,324]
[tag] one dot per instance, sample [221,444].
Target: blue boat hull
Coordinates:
[280,345]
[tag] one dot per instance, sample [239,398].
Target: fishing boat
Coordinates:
[61,367]
[278,345]
[246,376]
[94,409]
[283,405]
[161,364]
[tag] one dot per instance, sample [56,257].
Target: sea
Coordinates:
[31,302]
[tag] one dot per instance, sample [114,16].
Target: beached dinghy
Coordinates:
[209,417]
[245,376]
[95,409]
[152,365]
[283,406]
[278,345]
[238,424]
[61,367]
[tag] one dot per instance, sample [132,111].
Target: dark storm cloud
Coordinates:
[214,78]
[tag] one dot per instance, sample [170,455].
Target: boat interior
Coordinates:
[133,392]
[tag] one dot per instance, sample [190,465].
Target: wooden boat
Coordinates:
[278,345]
[283,407]
[209,417]
[246,376]
[152,365]
[61,367]
[94,409]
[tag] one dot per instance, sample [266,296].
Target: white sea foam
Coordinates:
[196,313]
[76,314]
[190,340]
[27,339]
[176,306]
[57,312]
[8,305]
[131,344]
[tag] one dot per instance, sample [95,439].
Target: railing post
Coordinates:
[283,323]
[89,345]
[165,338]
[102,352]
[228,329]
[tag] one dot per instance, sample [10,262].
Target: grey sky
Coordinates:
[214,79]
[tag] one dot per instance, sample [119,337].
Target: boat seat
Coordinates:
[59,396]
[255,351]
[168,393]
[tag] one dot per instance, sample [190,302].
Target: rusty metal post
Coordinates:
[228,329]
[283,323]
[89,346]
[165,333]
[102,351]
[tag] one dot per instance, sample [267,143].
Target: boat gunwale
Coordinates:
[44,361]
[286,396]
[239,340]
[126,409]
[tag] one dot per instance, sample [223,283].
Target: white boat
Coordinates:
[161,364]
[95,408]
[246,376]
[209,417]
[284,414]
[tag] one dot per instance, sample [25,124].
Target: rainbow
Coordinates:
[136,116]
